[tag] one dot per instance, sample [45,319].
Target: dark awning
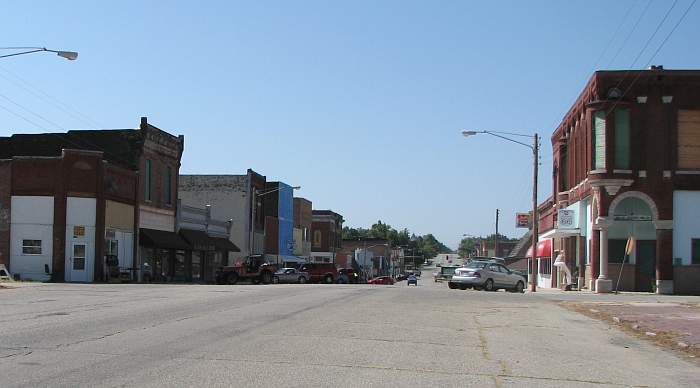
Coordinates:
[225,244]
[199,240]
[162,239]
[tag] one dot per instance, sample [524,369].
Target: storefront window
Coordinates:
[179,270]
[196,266]
[164,265]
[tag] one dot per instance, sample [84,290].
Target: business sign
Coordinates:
[522,220]
[566,219]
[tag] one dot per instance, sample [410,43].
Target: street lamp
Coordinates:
[69,55]
[535,221]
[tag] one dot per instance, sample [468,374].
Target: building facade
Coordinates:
[302,228]
[279,223]
[232,197]
[626,167]
[326,236]
[373,255]
[70,203]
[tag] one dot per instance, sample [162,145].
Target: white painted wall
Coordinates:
[80,212]
[31,218]
[227,204]
[686,223]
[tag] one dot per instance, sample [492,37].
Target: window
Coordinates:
[689,139]
[622,139]
[616,250]
[168,185]
[545,265]
[695,251]
[147,181]
[31,247]
[599,140]
[317,238]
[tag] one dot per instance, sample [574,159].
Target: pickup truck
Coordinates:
[320,272]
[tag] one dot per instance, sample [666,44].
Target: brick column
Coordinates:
[664,257]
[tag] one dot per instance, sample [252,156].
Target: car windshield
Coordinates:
[475,265]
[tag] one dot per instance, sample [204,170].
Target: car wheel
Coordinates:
[328,279]
[519,288]
[232,278]
[463,288]
[488,286]
[275,280]
[452,286]
[302,280]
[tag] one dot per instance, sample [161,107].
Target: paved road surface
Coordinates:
[314,335]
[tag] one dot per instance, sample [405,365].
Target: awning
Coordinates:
[560,233]
[199,240]
[225,244]
[162,239]
[544,249]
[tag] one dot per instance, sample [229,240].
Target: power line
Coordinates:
[22,117]
[656,30]
[37,92]
[30,111]
[614,35]
[639,73]
[634,28]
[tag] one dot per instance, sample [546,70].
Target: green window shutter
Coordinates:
[599,140]
[622,139]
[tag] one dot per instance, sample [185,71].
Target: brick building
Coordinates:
[326,235]
[70,201]
[379,255]
[626,163]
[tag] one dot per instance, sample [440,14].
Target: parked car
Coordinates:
[444,274]
[401,277]
[412,279]
[320,272]
[290,275]
[381,280]
[488,276]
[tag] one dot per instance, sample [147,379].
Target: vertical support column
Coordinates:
[603,284]
[595,254]
[664,257]
[100,212]
[581,241]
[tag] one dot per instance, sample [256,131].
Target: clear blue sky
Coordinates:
[359,102]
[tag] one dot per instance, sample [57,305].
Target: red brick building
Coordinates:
[626,163]
[70,203]
[326,235]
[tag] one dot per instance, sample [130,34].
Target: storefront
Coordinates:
[163,255]
[207,253]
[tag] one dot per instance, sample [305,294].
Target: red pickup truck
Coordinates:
[321,272]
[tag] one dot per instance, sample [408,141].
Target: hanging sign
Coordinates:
[522,220]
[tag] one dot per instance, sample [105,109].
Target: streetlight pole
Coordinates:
[69,55]
[535,220]
[495,239]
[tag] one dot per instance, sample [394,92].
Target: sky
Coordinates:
[361,103]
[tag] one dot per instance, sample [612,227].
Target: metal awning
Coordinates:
[225,244]
[162,239]
[198,239]
[559,233]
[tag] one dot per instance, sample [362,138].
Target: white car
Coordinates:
[488,276]
[290,275]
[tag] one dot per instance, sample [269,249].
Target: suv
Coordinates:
[320,272]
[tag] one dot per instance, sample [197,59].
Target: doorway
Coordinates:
[646,266]
[78,263]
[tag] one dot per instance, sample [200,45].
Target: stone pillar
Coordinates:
[593,264]
[664,257]
[603,284]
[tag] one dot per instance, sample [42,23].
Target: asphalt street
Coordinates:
[315,335]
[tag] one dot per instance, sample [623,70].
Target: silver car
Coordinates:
[290,275]
[488,276]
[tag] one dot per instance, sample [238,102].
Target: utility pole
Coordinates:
[535,217]
[495,239]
